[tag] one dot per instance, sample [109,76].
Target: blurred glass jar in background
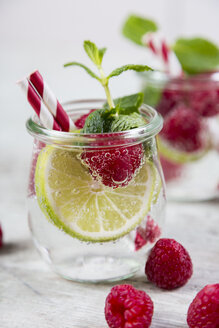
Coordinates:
[189,141]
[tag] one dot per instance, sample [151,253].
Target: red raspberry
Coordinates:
[127,307]
[149,234]
[114,167]
[1,237]
[79,123]
[169,265]
[203,312]
[183,129]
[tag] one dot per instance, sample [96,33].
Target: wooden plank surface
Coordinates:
[32,296]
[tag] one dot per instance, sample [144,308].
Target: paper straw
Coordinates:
[159,47]
[46,118]
[51,102]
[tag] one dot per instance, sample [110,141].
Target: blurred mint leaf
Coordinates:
[137,68]
[135,27]
[127,104]
[127,122]
[152,95]
[197,55]
[95,54]
[91,73]
[94,122]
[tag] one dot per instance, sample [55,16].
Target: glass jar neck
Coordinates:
[75,109]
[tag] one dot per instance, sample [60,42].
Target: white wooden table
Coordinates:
[32,296]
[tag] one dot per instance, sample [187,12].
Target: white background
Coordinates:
[44,34]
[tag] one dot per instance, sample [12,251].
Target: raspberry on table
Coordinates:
[203,312]
[127,307]
[183,129]
[79,123]
[149,234]
[1,237]
[169,265]
[114,167]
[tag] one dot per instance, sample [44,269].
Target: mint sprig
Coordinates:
[124,116]
[96,55]
[121,114]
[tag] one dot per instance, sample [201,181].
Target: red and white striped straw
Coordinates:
[46,118]
[51,102]
[159,47]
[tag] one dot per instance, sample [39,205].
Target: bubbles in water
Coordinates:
[58,193]
[107,155]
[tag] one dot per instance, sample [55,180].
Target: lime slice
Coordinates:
[83,207]
[177,156]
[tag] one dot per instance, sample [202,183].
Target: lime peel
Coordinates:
[177,156]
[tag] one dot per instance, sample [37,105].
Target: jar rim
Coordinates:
[161,78]
[78,140]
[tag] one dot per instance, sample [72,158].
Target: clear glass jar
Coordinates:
[95,202]
[189,141]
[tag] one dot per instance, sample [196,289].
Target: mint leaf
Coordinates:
[137,68]
[135,27]
[95,54]
[127,104]
[94,122]
[197,55]
[91,73]
[101,54]
[127,122]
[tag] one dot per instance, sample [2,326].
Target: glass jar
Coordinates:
[95,202]
[189,140]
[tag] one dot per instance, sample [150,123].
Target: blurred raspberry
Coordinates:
[149,234]
[199,92]
[203,94]
[127,307]
[203,312]
[183,128]
[205,102]
[169,99]
[79,123]
[169,265]
[114,167]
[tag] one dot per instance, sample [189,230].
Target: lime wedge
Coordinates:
[84,208]
[177,156]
